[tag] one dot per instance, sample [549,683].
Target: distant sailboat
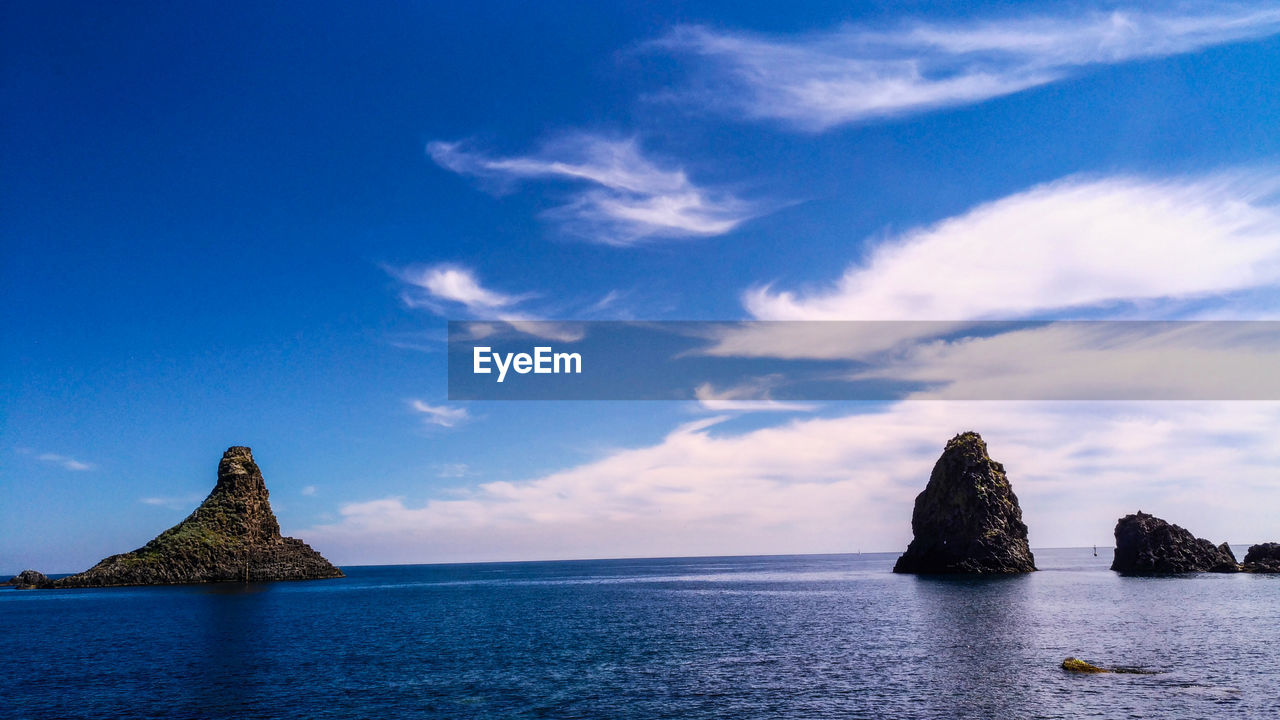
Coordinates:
[1095,551]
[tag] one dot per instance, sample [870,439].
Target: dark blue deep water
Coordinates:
[756,637]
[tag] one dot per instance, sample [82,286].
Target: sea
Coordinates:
[813,636]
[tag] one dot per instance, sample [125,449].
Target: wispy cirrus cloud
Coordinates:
[453,470]
[444,286]
[1059,249]
[857,73]
[747,397]
[64,462]
[617,195]
[441,415]
[447,289]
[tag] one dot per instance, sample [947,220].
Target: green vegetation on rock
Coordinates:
[1080,666]
[232,537]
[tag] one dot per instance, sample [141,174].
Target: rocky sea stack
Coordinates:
[967,520]
[1263,558]
[232,537]
[1145,544]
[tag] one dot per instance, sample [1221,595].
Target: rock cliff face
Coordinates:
[1147,544]
[232,537]
[967,520]
[1264,558]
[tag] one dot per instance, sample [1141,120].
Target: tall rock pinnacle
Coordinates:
[232,537]
[967,520]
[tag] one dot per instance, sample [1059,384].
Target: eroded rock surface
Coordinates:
[1263,558]
[29,579]
[967,520]
[1145,544]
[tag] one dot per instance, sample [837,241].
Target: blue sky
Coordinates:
[248,225]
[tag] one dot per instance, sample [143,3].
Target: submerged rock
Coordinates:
[232,537]
[967,520]
[29,579]
[1263,558]
[1147,544]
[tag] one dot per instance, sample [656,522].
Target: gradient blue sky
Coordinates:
[247,224]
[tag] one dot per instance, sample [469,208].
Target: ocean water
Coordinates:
[831,636]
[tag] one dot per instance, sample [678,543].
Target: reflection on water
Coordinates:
[973,626]
[782,637]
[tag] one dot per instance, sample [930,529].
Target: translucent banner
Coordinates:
[740,363]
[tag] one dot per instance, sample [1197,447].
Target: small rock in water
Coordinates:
[29,579]
[1080,666]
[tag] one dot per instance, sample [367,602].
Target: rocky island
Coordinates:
[232,537]
[1145,544]
[967,519]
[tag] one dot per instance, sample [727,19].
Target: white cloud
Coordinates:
[435,286]
[1064,246]
[856,73]
[1120,247]
[605,302]
[620,196]
[441,415]
[446,288]
[66,463]
[309,490]
[848,483]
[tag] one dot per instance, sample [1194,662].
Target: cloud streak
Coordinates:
[616,195]
[1060,249]
[441,415]
[748,397]
[447,283]
[64,462]
[445,286]
[858,73]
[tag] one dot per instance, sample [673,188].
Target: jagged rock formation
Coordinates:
[967,520]
[1264,558]
[232,537]
[28,579]
[1147,544]
[1225,550]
